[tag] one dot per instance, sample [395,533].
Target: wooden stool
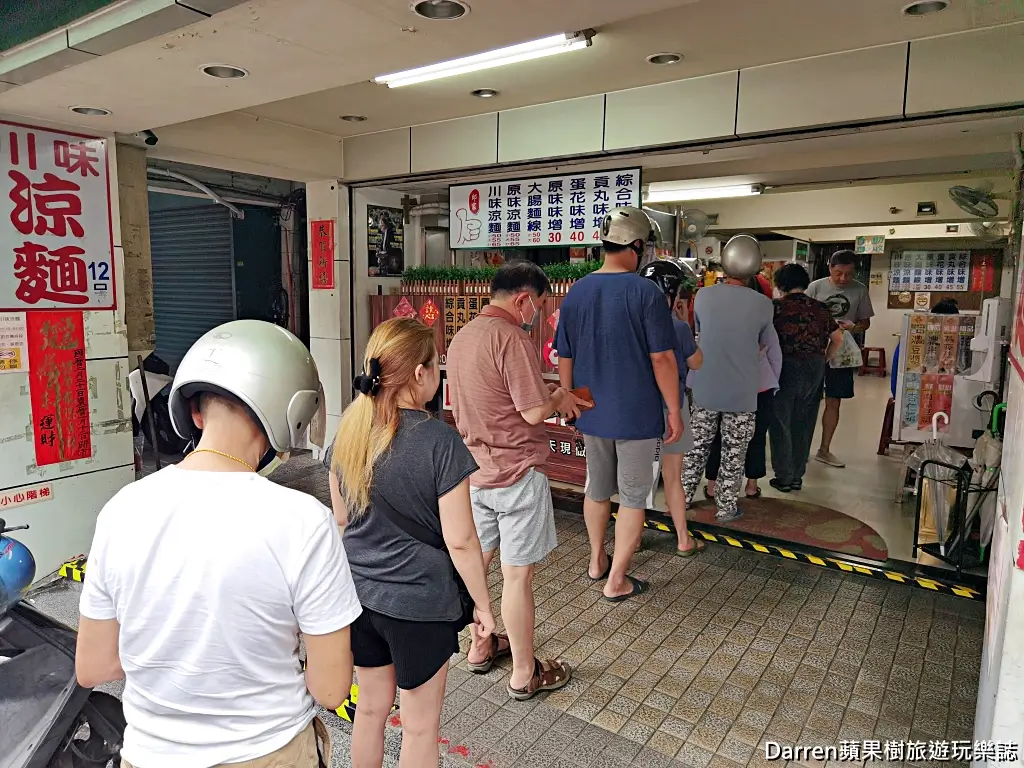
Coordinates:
[873,362]
[886,436]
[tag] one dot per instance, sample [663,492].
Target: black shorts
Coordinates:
[839,383]
[418,649]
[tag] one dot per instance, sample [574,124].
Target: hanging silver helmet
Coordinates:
[262,366]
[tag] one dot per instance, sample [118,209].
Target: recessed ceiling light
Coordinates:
[354,118]
[91,111]
[440,10]
[224,71]
[925,7]
[484,93]
[664,58]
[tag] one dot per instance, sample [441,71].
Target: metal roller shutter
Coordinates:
[193,276]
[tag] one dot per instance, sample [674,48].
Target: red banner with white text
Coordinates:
[58,387]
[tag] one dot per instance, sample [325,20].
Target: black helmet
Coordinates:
[667,274]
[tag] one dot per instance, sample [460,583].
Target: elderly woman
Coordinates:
[754,463]
[808,337]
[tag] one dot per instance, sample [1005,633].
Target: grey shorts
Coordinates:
[628,467]
[519,518]
[685,443]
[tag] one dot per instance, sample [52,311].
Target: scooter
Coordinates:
[48,720]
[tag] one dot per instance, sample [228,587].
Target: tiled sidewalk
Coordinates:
[727,650]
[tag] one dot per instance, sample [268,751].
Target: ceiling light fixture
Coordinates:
[535,49]
[484,93]
[224,71]
[925,8]
[440,10]
[666,192]
[663,59]
[354,118]
[90,111]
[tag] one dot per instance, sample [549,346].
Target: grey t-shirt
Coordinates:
[394,573]
[849,302]
[732,322]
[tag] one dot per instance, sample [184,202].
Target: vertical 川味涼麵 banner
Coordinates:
[56,239]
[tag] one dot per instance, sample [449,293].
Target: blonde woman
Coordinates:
[400,488]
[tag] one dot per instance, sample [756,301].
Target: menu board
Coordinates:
[541,211]
[929,271]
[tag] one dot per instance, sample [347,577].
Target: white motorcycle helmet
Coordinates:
[624,226]
[262,366]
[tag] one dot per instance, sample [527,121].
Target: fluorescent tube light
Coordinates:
[535,49]
[669,194]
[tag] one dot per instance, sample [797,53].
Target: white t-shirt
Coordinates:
[212,575]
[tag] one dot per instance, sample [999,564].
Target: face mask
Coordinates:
[528,326]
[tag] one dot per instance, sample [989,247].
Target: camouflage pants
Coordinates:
[737,430]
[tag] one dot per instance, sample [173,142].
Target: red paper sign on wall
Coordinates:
[58,387]
[321,247]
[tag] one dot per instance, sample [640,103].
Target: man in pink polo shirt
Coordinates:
[500,401]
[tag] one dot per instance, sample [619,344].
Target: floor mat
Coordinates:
[800,523]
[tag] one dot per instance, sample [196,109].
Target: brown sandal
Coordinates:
[547,676]
[496,653]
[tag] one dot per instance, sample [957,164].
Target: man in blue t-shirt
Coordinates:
[615,336]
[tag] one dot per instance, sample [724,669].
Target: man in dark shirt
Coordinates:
[808,337]
[615,336]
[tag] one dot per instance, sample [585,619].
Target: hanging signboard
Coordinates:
[321,249]
[58,387]
[541,211]
[56,244]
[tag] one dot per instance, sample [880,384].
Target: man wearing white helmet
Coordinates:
[615,336]
[203,575]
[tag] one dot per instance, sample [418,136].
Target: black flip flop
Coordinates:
[707,495]
[639,587]
[604,575]
[755,495]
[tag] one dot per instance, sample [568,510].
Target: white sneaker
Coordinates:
[827,458]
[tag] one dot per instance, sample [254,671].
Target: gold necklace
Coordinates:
[245,464]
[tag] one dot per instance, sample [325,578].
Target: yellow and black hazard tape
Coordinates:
[832,561]
[73,569]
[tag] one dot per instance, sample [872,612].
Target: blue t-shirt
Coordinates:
[610,325]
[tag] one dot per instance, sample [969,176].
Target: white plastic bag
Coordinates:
[849,355]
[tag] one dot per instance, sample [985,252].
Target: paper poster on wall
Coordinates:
[58,387]
[929,394]
[57,240]
[916,343]
[13,343]
[560,211]
[949,343]
[321,251]
[911,399]
[385,241]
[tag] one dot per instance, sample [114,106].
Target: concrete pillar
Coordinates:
[133,199]
[330,324]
